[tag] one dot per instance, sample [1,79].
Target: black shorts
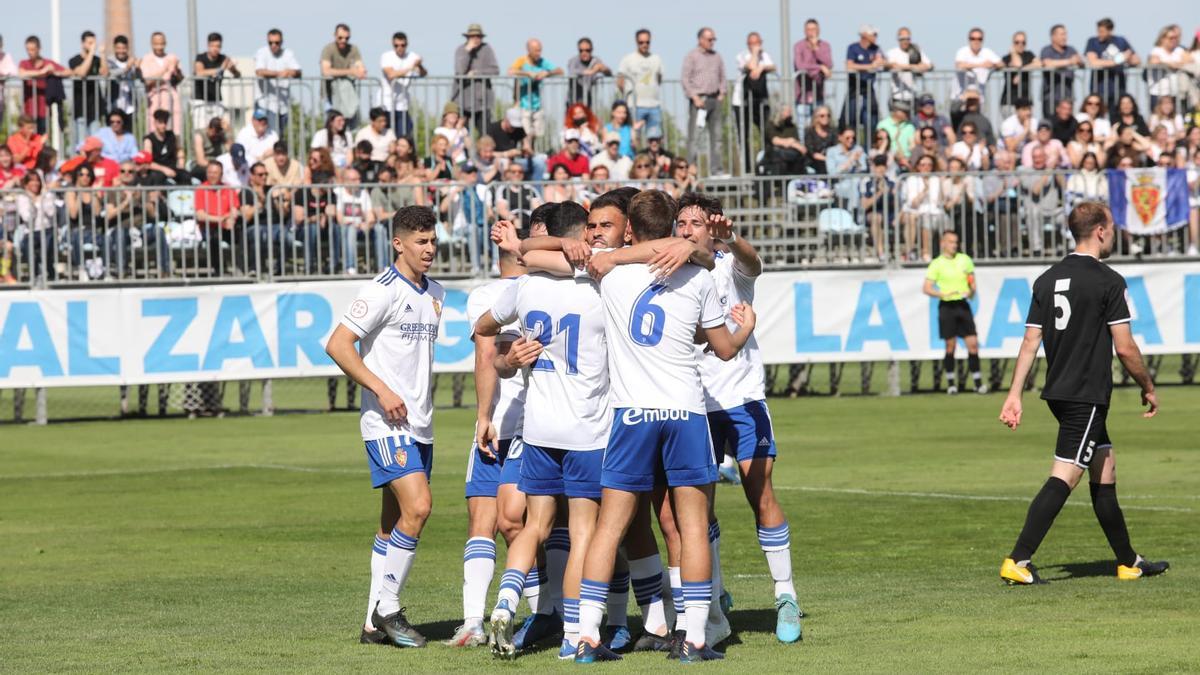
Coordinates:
[955,320]
[1081,431]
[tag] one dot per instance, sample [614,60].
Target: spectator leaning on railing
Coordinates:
[341,68]
[273,67]
[399,66]
[209,68]
[123,71]
[639,79]
[530,69]
[751,100]
[1018,63]
[1109,55]
[584,70]
[88,104]
[813,59]
[37,73]
[8,68]
[907,61]
[162,74]
[974,63]
[1059,61]
[864,59]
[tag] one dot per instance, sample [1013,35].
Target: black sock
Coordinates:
[973,366]
[1112,521]
[948,368]
[1042,511]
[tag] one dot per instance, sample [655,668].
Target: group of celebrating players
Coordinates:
[615,363]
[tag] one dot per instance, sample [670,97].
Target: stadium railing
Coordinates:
[156,235]
[844,93]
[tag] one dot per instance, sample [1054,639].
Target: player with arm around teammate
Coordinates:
[659,434]
[1079,314]
[395,320]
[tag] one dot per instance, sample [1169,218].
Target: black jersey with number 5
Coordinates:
[1074,303]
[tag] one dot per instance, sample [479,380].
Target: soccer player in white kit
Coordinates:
[396,317]
[659,432]
[565,433]
[735,396]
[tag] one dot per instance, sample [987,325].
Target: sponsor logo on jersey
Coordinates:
[358,309]
[764,442]
[417,330]
[633,416]
[407,308]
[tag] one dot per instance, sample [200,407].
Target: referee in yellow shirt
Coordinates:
[951,279]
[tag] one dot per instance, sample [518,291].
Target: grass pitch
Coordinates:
[243,544]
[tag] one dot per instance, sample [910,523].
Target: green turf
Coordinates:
[243,544]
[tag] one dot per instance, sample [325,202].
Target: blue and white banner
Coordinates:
[1148,201]
[228,332]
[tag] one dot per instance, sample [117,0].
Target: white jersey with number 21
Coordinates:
[651,326]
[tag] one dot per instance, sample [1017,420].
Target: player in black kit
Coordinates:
[1079,313]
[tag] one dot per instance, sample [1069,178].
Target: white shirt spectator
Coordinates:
[457,137]
[618,169]
[353,203]
[931,205]
[1101,127]
[642,74]
[1169,84]
[339,149]
[231,176]
[743,64]
[395,93]
[1011,127]
[7,69]
[258,148]
[979,73]
[972,155]
[273,91]
[904,80]
[380,143]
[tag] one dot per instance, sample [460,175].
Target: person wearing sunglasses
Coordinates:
[1094,111]
[974,62]
[639,79]
[583,70]
[273,67]
[118,144]
[341,68]
[1059,61]
[399,66]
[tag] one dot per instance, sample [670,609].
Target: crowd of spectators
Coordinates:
[483,162]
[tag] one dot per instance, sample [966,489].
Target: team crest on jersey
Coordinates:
[437,308]
[401,457]
[358,309]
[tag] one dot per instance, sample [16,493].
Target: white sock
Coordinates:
[402,550]
[479,565]
[696,596]
[592,598]
[618,599]
[378,555]
[558,547]
[646,575]
[729,462]
[511,583]
[571,621]
[776,543]
[714,545]
[533,589]
[677,598]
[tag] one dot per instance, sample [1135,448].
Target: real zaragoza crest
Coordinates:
[1146,196]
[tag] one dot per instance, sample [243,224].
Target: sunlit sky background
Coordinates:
[435,28]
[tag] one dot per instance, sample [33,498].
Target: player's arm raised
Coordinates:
[341,349]
[1131,357]
[748,262]
[1010,414]
[726,345]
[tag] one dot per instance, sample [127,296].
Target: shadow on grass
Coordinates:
[1083,570]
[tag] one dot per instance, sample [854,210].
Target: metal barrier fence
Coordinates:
[179,234]
[298,107]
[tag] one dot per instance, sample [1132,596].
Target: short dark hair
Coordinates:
[1056,27]
[618,199]
[813,22]
[274,31]
[1085,217]
[543,214]
[215,37]
[257,165]
[413,219]
[121,40]
[709,205]
[1022,102]
[341,26]
[569,218]
[583,40]
[280,146]
[364,146]
[321,177]
[33,39]
[160,115]
[1105,23]
[86,34]
[376,113]
[642,31]
[399,35]
[652,215]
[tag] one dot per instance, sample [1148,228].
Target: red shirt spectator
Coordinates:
[574,161]
[216,203]
[105,170]
[26,143]
[35,69]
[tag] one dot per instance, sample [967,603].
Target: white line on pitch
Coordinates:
[957,497]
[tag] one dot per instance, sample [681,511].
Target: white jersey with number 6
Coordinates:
[397,324]
[651,327]
[509,407]
[568,385]
[740,380]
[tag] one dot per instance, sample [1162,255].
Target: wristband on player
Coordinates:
[732,238]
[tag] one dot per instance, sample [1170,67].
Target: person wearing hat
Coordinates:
[900,131]
[257,137]
[399,66]
[104,169]
[864,59]
[474,64]
[454,129]
[611,158]
[235,170]
[928,117]
[571,157]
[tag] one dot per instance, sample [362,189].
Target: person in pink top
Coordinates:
[814,62]
[161,71]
